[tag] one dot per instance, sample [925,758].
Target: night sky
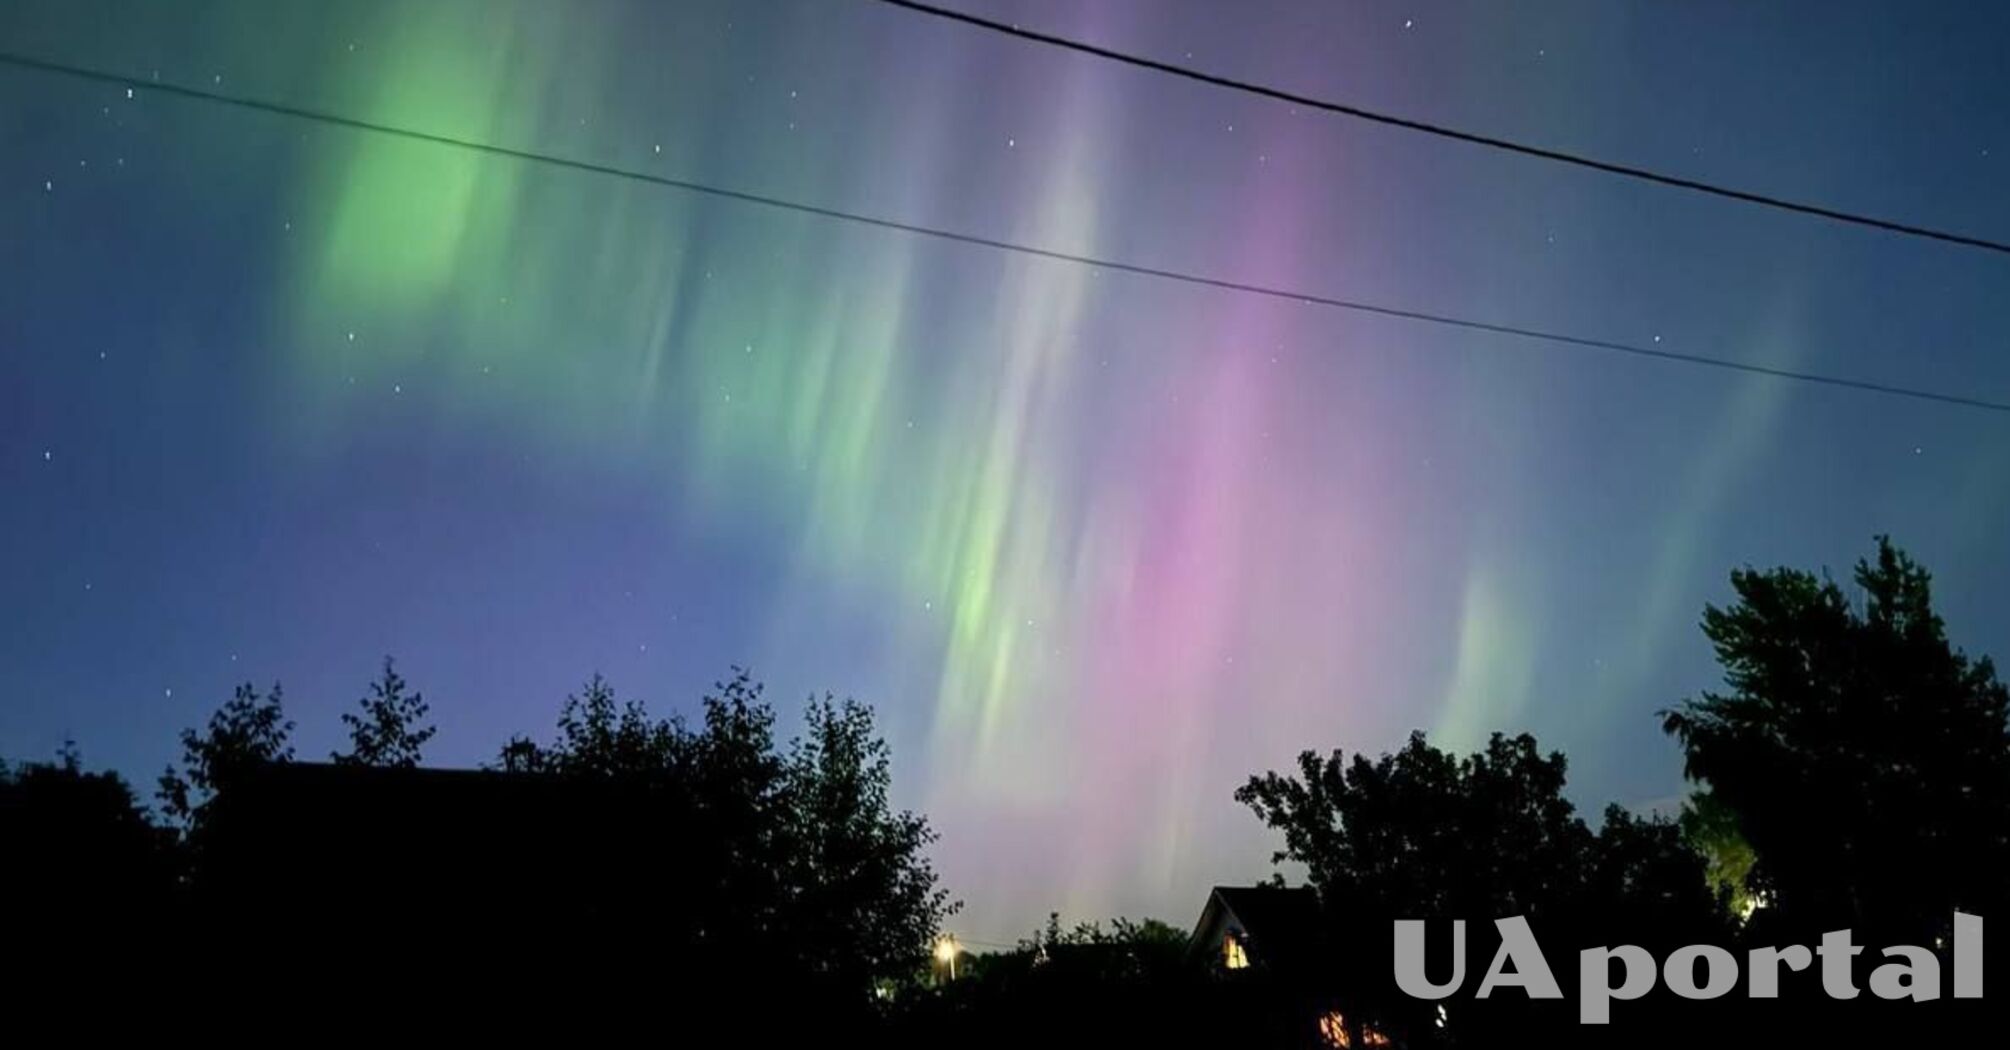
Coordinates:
[278,398]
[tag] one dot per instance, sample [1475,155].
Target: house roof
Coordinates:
[1280,924]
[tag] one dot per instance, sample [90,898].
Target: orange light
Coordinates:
[1333,1029]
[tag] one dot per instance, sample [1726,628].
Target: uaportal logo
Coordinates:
[1913,973]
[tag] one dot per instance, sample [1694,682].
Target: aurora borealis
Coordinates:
[277,398]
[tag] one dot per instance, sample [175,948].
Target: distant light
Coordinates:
[946,950]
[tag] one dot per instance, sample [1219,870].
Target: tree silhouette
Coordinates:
[247,730]
[599,737]
[803,869]
[1423,834]
[392,729]
[80,864]
[1863,757]
[859,875]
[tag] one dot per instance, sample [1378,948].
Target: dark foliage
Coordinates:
[1854,773]
[83,872]
[248,731]
[391,729]
[1862,756]
[795,861]
[1424,834]
[1130,983]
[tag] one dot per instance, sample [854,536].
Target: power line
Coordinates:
[1358,306]
[1470,137]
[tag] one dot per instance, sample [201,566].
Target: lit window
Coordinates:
[1232,955]
[1333,1029]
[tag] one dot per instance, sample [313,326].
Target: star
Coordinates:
[48,185]
[397,388]
[1011,143]
[1406,23]
[47,455]
[659,147]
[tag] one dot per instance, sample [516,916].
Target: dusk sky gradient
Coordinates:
[278,398]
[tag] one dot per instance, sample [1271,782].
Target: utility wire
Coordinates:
[630,174]
[1442,131]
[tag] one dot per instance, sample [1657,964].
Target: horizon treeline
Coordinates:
[1853,771]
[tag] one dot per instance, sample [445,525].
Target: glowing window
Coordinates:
[1333,1029]
[1232,955]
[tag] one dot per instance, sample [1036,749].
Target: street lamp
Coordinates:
[945,951]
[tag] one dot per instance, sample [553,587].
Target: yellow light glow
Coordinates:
[1333,1029]
[1232,954]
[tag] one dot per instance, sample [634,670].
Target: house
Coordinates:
[1261,928]
[1276,934]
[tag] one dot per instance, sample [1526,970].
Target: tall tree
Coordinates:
[246,731]
[391,729]
[860,874]
[804,868]
[1864,757]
